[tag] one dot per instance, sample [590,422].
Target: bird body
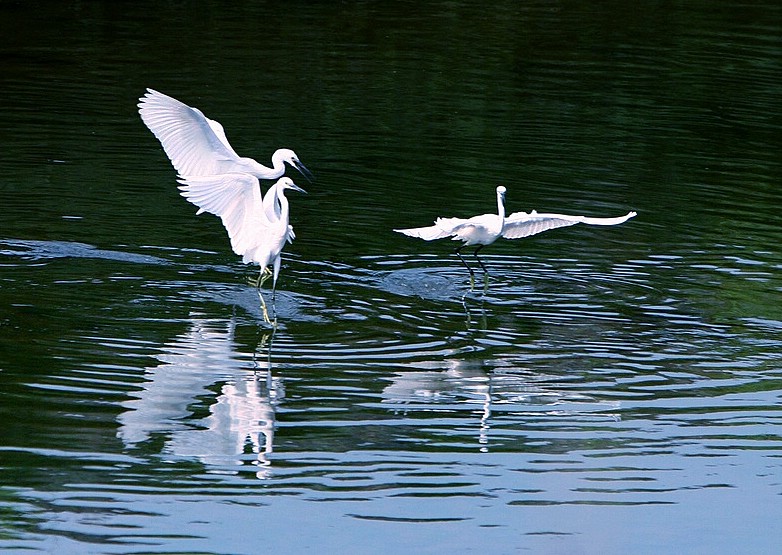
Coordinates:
[256,235]
[485,229]
[478,230]
[219,181]
[197,145]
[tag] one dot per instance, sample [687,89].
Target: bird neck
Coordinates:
[253,167]
[500,208]
[280,194]
[275,205]
[278,163]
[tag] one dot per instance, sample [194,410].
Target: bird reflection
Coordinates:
[481,320]
[201,371]
[460,383]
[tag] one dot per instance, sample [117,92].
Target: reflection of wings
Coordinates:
[461,384]
[244,408]
[242,414]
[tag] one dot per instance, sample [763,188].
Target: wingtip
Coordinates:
[147,97]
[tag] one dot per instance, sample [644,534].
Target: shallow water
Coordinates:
[612,390]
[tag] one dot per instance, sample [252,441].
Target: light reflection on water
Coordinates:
[611,391]
[572,395]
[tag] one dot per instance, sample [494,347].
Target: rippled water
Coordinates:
[613,390]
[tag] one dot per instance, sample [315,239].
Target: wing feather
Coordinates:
[195,144]
[443,227]
[236,199]
[523,224]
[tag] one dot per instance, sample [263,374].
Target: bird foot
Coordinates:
[261,279]
[266,319]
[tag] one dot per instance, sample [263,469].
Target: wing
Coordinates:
[443,227]
[195,144]
[522,224]
[236,198]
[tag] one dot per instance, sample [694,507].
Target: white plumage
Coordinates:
[197,145]
[257,226]
[219,181]
[485,229]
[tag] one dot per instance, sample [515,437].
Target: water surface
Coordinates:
[613,390]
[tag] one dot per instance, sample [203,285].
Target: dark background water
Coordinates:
[615,390]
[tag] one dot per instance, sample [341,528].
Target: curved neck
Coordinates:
[278,164]
[255,168]
[283,205]
[275,205]
[259,170]
[500,207]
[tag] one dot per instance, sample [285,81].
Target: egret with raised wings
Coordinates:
[485,229]
[258,227]
[197,145]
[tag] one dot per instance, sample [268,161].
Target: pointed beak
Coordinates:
[304,171]
[295,187]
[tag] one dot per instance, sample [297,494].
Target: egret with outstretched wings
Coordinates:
[197,145]
[485,229]
[257,235]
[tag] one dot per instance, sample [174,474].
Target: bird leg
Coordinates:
[472,274]
[258,283]
[485,271]
[266,318]
[261,279]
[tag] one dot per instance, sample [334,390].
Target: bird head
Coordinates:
[501,191]
[288,156]
[287,183]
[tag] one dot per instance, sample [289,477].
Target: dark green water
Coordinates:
[616,390]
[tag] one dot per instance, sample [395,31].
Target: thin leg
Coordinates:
[274,303]
[275,273]
[472,274]
[485,271]
[475,254]
[261,279]
[264,275]
[263,307]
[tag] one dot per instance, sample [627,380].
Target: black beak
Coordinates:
[304,171]
[295,187]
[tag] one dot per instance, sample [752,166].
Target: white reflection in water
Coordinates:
[204,363]
[458,383]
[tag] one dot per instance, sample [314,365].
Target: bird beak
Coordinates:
[304,171]
[295,187]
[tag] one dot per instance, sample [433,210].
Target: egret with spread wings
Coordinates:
[197,145]
[217,180]
[485,229]
[257,226]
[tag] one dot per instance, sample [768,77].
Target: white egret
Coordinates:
[257,226]
[197,145]
[485,229]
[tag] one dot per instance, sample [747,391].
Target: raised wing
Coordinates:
[443,227]
[522,224]
[236,198]
[195,144]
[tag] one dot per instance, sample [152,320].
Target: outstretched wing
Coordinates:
[236,198]
[522,224]
[195,144]
[443,227]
